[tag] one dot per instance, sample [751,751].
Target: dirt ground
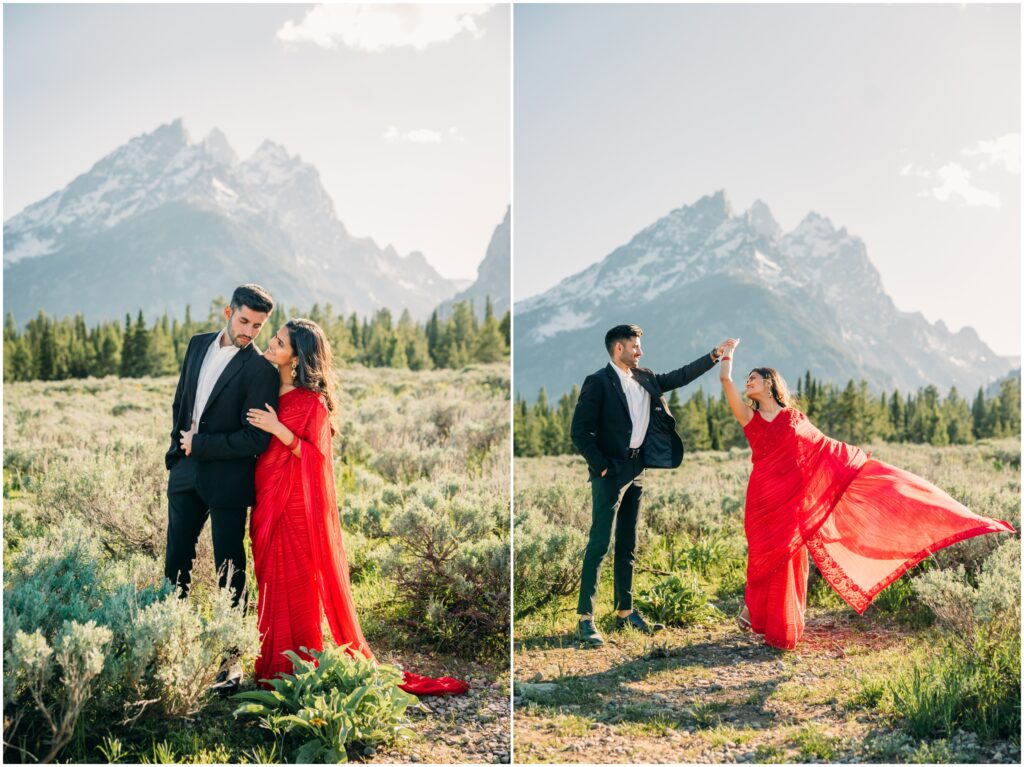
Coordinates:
[714,694]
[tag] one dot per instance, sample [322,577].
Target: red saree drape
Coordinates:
[864,522]
[297,549]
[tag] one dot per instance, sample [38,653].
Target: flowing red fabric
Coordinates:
[297,549]
[864,522]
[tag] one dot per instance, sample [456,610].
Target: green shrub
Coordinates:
[119,493]
[138,641]
[677,601]
[732,582]
[815,744]
[929,699]
[547,562]
[871,694]
[331,704]
[900,599]
[58,698]
[975,683]
[706,551]
[450,560]
[178,649]
[988,611]
[66,577]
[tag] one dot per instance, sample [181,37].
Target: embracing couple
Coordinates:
[255,429]
[864,522]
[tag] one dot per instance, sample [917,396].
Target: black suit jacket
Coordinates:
[601,426]
[225,447]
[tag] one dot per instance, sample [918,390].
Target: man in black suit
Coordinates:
[212,458]
[621,426]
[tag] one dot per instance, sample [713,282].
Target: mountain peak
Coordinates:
[716,204]
[173,132]
[817,221]
[415,258]
[217,146]
[762,221]
[269,150]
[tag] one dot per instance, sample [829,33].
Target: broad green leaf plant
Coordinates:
[332,704]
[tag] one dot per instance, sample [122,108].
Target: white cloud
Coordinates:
[416,136]
[916,170]
[1003,152]
[956,185]
[376,28]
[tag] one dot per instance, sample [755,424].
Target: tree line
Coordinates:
[851,414]
[48,349]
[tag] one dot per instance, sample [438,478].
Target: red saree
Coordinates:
[297,550]
[864,522]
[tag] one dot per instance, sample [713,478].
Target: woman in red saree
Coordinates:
[297,550]
[864,522]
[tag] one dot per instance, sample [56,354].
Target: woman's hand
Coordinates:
[265,420]
[725,348]
[725,365]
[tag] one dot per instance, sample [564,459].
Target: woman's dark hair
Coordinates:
[315,361]
[254,296]
[776,385]
[621,333]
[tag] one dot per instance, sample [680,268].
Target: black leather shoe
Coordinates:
[229,678]
[636,622]
[588,634]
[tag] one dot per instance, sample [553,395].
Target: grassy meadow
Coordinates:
[102,665]
[930,673]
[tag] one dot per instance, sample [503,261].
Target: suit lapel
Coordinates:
[617,386]
[645,381]
[195,367]
[236,364]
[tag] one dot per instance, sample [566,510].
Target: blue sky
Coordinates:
[901,123]
[404,111]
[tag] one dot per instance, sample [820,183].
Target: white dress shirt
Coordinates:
[216,359]
[639,402]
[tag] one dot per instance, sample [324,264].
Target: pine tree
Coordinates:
[691,421]
[108,362]
[160,357]
[10,328]
[959,424]
[896,410]
[47,350]
[979,422]
[1008,406]
[526,434]
[354,336]
[490,344]
[506,329]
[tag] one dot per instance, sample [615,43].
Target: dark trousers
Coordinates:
[615,499]
[186,515]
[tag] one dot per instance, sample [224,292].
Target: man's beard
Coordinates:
[235,340]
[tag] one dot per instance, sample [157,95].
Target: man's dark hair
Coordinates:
[621,333]
[254,296]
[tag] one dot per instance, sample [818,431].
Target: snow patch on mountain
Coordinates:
[563,321]
[29,247]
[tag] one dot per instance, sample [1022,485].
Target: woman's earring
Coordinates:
[295,369]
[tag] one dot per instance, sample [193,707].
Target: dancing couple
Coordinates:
[252,429]
[864,523]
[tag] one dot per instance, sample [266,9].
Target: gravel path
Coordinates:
[456,729]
